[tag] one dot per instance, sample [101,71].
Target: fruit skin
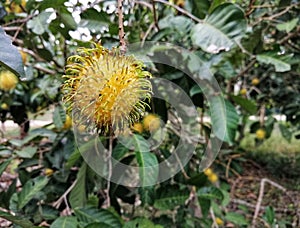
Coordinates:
[106,78]
[151,122]
[14,7]
[219,221]
[255,81]
[48,172]
[208,172]
[213,178]
[260,134]
[4,106]
[81,128]
[8,80]
[138,127]
[180,3]
[68,123]
[243,91]
[24,56]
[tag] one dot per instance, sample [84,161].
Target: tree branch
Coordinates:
[121,27]
[260,197]
[154,14]
[179,9]
[110,148]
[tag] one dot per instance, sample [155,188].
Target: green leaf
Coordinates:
[77,196]
[94,20]
[195,90]
[39,24]
[48,212]
[245,104]
[55,4]
[226,197]
[179,25]
[141,223]
[10,57]
[269,125]
[236,218]
[221,29]
[199,8]
[226,69]
[90,215]
[205,205]
[173,75]
[27,152]
[197,180]
[288,26]
[170,198]
[47,55]
[98,225]
[74,157]
[65,222]
[210,193]
[224,119]
[269,215]
[279,62]
[147,161]
[30,189]
[18,220]
[147,195]
[119,151]
[59,117]
[68,20]
[285,132]
[35,133]
[4,165]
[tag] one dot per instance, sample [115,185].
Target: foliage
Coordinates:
[237,42]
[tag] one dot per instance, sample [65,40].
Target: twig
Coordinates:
[154,14]
[212,214]
[263,6]
[290,35]
[228,167]
[144,4]
[121,27]
[250,205]
[282,12]
[180,10]
[110,148]
[232,170]
[33,54]
[18,31]
[238,179]
[262,115]
[48,71]
[244,50]
[250,8]
[270,18]
[12,28]
[23,20]
[58,202]
[260,197]
[147,33]
[53,60]
[193,203]
[91,5]
[246,69]
[181,167]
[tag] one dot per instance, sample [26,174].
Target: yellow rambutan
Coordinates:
[105,88]
[138,127]
[151,122]
[8,80]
